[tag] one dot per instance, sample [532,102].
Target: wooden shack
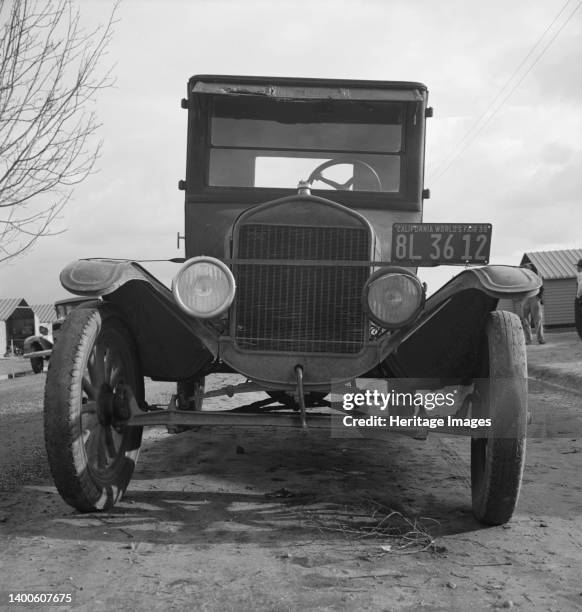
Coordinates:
[558,272]
[16,323]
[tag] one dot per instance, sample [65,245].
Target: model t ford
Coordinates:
[303,235]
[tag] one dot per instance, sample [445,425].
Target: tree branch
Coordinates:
[49,74]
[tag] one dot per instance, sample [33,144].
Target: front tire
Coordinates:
[91,453]
[497,461]
[37,364]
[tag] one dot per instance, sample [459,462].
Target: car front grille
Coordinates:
[303,308]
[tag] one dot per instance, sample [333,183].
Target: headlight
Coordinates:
[393,297]
[204,287]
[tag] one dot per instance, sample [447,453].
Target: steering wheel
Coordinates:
[317,176]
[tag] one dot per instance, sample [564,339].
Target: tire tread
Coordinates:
[495,499]
[62,397]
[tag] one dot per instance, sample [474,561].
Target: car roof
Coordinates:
[307,88]
[222,78]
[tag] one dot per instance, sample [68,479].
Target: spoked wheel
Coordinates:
[91,452]
[500,395]
[317,175]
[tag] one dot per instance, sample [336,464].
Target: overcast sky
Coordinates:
[521,171]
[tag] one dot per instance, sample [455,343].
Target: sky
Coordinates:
[510,160]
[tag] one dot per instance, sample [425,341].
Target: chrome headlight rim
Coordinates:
[206,259]
[390,271]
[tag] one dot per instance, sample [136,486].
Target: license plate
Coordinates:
[433,244]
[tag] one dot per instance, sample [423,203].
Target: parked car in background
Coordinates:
[39,348]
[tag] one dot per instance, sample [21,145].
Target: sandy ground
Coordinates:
[278,520]
[10,366]
[559,360]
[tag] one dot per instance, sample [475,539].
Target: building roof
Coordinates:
[45,312]
[9,305]
[554,264]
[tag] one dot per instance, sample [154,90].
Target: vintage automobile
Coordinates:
[303,236]
[39,348]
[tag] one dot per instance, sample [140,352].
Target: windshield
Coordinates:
[258,142]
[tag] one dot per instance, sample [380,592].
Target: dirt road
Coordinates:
[259,520]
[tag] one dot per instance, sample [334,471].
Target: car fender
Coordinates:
[494,281]
[36,343]
[171,345]
[446,341]
[99,277]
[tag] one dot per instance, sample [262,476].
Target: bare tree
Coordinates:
[49,74]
